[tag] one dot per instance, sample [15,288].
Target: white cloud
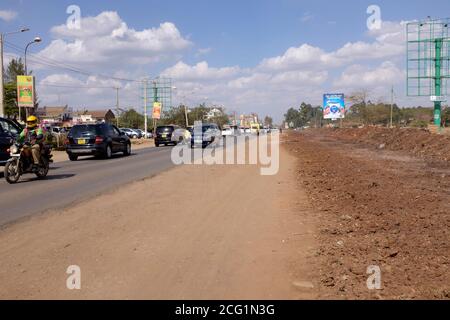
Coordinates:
[299,57]
[389,41]
[106,39]
[358,76]
[200,72]
[8,15]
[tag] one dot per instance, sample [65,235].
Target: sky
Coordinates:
[248,56]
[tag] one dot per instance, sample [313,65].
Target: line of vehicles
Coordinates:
[103,140]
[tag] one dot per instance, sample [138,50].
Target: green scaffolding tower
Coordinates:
[428,61]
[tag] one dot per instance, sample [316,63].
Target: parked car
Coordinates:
[181,135]
[96,139]
[9,131]
[149,134]
[211,134]
[164,135]
[131,133]
[140,132]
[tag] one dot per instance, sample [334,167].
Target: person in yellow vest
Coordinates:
[33,137]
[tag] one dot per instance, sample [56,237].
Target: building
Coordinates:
[213,113]
[247,120]
[93,116]
[54,114]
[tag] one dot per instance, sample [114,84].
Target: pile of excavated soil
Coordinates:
[377,207]
[419,142]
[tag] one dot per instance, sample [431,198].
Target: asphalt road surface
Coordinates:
[73,182]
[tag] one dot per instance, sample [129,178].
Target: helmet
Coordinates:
[32,122]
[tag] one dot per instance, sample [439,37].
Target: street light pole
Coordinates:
[2,38]
[2,107]
[145,108]
[36,40]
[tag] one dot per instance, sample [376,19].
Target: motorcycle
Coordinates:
[21,162]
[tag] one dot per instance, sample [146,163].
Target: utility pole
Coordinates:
[145,108]
[186,115]
[2,106]
[155,99]
[392,106]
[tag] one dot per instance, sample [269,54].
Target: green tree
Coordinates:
[131,119]
[174,115]
[10,100]
[268,121]
[15,68]
[292,117]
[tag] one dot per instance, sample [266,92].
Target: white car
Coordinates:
[181,135]
[227,132]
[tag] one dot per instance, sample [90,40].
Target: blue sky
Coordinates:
[227,34]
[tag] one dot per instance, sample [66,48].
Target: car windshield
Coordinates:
[206,128]
[84,130]
[164,129]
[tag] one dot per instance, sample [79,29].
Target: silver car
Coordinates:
[181,135]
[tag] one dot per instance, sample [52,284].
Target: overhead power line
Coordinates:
[38,59]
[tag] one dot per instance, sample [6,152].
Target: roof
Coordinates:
[94,113]
[98,113]
[52,111]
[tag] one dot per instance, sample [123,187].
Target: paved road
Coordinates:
[71,182]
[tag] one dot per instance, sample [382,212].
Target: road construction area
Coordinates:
[342,201]
[383,200]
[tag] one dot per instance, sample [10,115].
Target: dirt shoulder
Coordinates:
[194,232]
[378,207]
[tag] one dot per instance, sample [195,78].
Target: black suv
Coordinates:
[96,139]
[9,131]
[164,135]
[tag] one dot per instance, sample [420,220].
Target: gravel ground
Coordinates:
[378,207]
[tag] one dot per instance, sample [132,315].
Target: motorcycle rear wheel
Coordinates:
[12,172]
[43,169]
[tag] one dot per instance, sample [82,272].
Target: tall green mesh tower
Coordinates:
[428,61]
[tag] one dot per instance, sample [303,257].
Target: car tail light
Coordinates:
[67,142]
[98,140]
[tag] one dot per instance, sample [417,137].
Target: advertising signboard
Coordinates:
[156,114]
[333,106]
[25,91]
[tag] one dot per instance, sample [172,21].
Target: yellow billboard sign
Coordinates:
[25,91]
[156,110]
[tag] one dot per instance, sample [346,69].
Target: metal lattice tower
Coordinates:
[157,90]
[162,91]
[428,61]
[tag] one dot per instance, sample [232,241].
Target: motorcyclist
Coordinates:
[33,137]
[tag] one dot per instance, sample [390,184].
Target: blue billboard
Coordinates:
[333,106]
